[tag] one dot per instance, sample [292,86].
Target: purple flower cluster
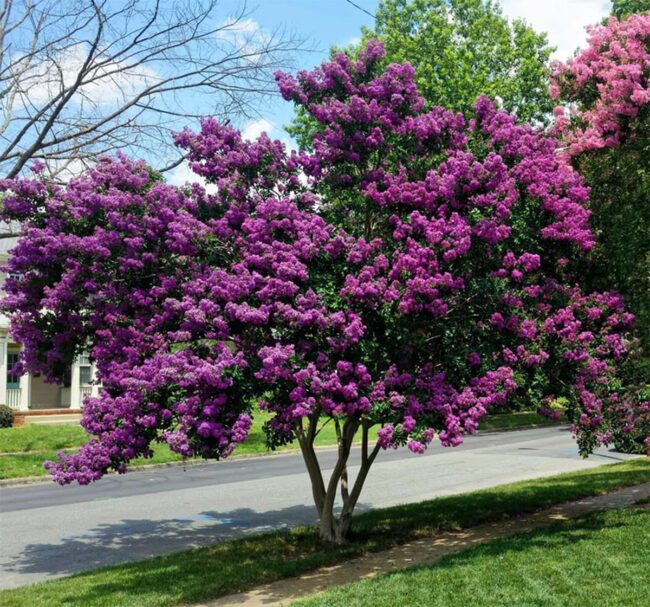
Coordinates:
[410,270]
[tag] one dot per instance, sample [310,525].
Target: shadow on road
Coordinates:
[138,539]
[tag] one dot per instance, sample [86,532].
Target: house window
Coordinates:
[85,375]
[13,381]
[85,370]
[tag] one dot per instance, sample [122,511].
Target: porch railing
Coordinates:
[13,397]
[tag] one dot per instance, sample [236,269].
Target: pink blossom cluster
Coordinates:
[632,433]
[410,270]
[606,85]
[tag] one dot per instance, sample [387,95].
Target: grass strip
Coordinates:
[35,437]
[518,419]
[23,450]
[200,574]
[599,559]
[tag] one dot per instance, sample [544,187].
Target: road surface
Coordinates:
[47,531]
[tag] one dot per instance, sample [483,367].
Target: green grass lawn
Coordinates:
[23,450]
[41,438]
[512,421]
[203,573]
[600,560]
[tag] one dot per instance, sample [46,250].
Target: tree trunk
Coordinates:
[333,528]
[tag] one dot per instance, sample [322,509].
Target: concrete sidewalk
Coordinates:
[422,552]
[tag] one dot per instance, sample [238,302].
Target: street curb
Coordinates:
[34,480]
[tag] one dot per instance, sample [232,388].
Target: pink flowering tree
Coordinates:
[410,273]
[606,86]
[604,124]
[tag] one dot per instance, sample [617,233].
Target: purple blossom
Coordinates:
[391,286]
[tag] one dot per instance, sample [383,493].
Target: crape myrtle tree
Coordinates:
[604,119]
[410,273]
[604,122]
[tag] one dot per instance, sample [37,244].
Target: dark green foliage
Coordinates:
[6,416]
[628,443]
[620,201]
[623,8]
[631,438]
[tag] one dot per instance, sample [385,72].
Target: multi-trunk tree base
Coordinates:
[333,527]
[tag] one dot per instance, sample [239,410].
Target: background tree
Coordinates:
[604,120]
[411,272]
[82,78]
[460,49]
[624,8]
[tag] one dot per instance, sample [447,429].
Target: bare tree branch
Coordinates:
[85,77]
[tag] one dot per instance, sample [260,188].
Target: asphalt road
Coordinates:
[47,531]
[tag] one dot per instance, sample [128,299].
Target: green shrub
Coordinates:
[6,416]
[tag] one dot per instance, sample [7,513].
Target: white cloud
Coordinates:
[242,27]
[110,85]
[563,20]
[352,41]
[244,35]
[64,170]
[289,143]
[252,130]
[183,174]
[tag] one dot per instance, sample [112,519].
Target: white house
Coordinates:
[30,392]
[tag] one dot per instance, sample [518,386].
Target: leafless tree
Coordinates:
[81,78]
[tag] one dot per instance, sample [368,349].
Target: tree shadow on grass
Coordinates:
[561,533]
[497,503]
[235,566]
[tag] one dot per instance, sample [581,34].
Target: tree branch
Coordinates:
[62,93]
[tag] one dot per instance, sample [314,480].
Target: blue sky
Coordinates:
[325,23]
